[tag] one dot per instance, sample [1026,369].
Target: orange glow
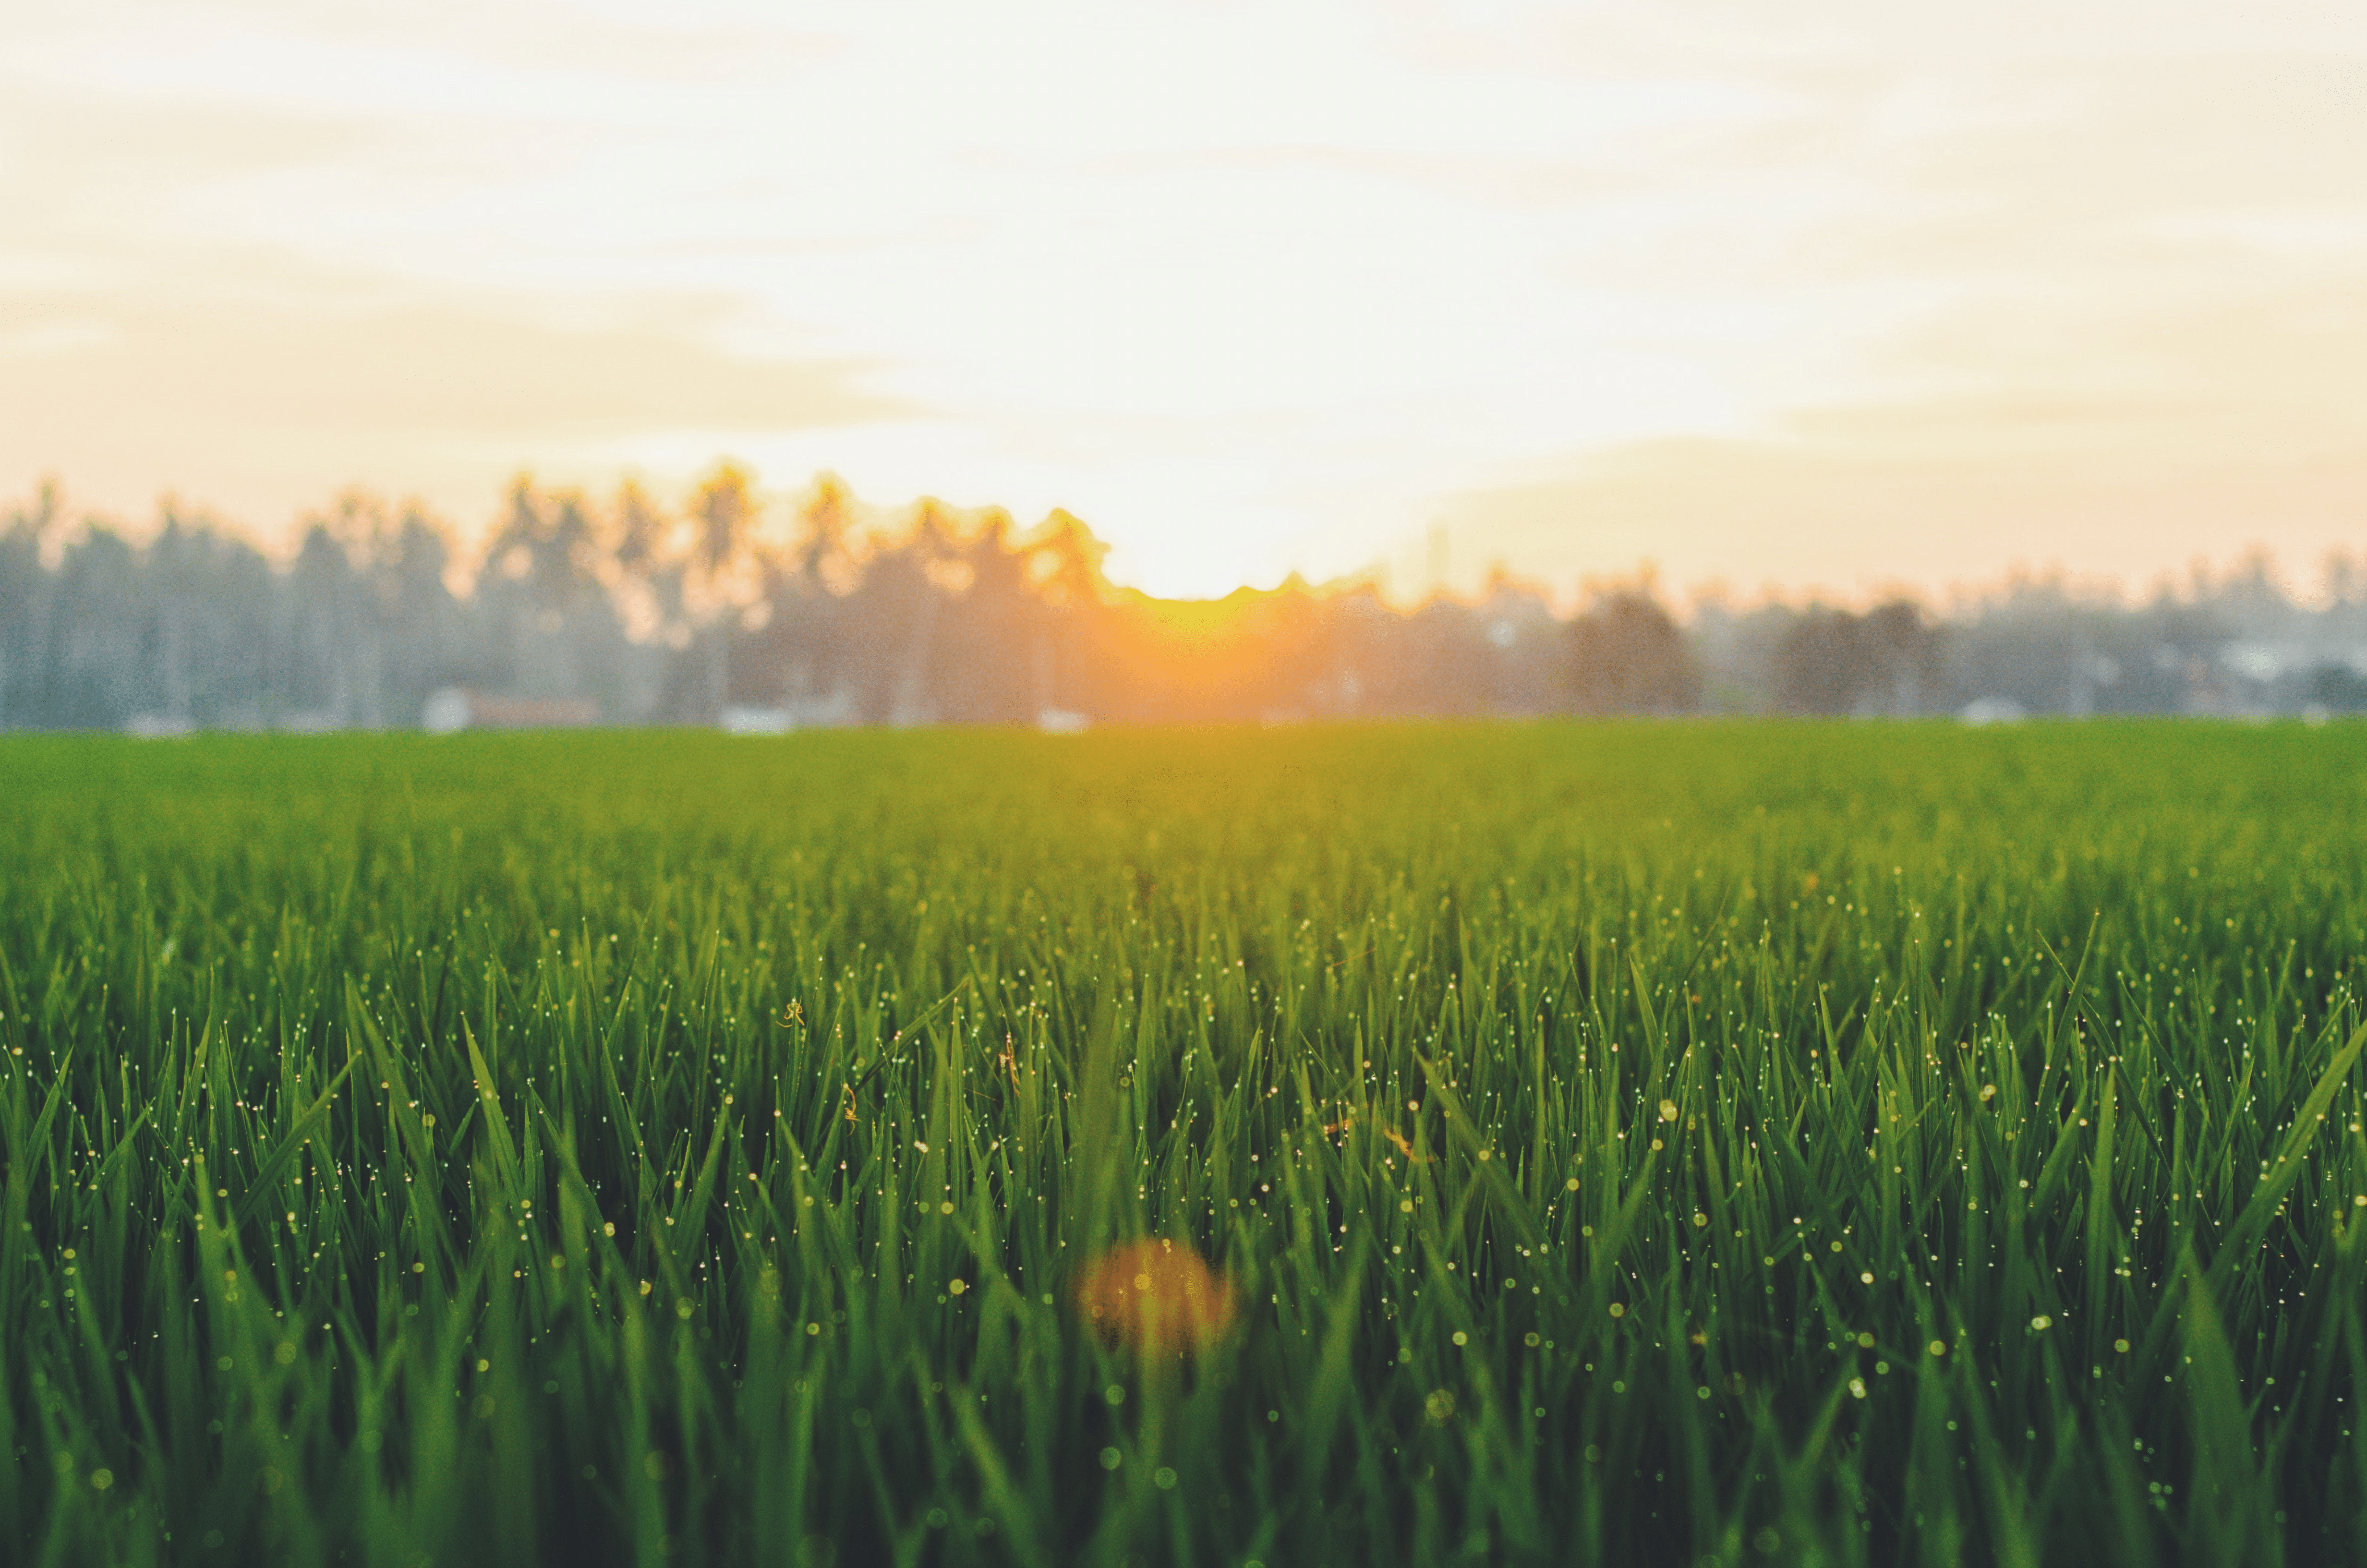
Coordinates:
[1155,1294]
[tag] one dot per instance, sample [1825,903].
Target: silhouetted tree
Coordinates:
[1831,661]
[25,592]
[986,651]
[661,615]
[95,633]
[1627,656]
[722,511]
[2339,689]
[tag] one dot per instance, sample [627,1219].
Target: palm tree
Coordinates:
[25,592]
[722,510]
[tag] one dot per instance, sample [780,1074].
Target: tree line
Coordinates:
[628,610]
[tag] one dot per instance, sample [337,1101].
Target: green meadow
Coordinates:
[1690,1142]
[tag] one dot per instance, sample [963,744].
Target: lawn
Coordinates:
[1731,1142]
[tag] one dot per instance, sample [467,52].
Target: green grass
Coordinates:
[1777,1143]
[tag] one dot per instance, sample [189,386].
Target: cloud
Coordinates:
[262,400]
[1858,502]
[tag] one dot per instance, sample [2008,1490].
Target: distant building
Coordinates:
[455,707]
[744,720]
[1990,710]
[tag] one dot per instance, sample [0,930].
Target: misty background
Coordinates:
[723,608]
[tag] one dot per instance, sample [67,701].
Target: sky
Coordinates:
[1834,298]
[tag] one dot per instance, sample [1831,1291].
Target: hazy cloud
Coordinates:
[1252,287]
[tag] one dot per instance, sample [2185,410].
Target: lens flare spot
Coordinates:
[1155,1294]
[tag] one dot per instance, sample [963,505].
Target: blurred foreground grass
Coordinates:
[1657,1143]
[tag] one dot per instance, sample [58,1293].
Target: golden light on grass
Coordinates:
[1155,1294]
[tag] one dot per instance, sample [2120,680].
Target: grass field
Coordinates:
[1657,1144]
